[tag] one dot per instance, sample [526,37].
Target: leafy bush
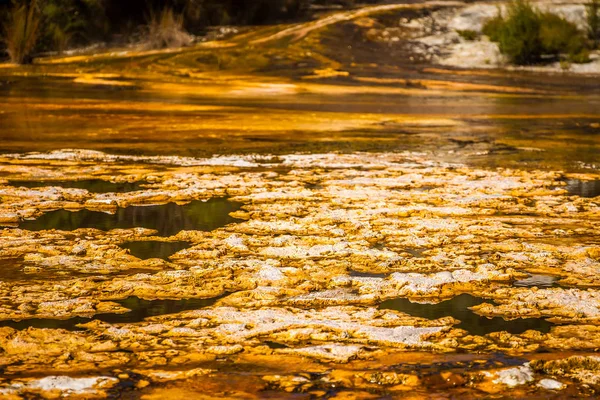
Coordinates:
[165,30]
[493,27]
[468,34]
[518,34]
[526,34]
[22,32]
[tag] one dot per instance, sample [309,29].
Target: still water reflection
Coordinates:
[91,185]
[537,280]
[140,309]
[167,219]
[458,308]
[579,188]
[154,249]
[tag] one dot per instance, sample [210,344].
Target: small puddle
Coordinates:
[469,362]
[91,185]
[313,186]
[416,253]
[140,309]
[275,345]
[589,189]
[167,219]
[458,308]
[11,269]
[424,188]
[268,159]
[358,274]
[154,249]
[19,270]
[540,281]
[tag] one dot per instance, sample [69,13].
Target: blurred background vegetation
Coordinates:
[32,27]
[37,26]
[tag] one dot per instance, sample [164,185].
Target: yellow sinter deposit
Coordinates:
[319,242]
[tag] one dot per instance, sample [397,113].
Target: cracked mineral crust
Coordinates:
[297,271]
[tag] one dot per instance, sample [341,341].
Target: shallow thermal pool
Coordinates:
[167,219]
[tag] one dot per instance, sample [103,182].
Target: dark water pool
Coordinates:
[458,307]
[358,274]
[154,249]
[576,187]
[470,362]
[167,219]
[537,280]
[140,309]
[91,185]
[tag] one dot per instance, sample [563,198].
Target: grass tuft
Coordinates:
[165,30]
[22,31]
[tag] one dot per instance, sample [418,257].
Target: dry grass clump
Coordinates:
[166,30]
[21,32]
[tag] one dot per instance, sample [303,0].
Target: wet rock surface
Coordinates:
[330,258]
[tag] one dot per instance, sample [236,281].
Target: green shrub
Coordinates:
[468,34]
[493,27]
[526,34]
[22,32]
[559,35]
[519,37]
[580,58]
